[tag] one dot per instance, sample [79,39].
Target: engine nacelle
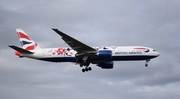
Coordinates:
[105,54]
[106,65]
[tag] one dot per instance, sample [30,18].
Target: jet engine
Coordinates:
[105,54]
[106,65]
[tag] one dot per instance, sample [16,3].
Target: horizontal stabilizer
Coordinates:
[20,49]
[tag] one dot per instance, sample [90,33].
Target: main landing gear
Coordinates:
[85,63]
[147,62]
[87,68]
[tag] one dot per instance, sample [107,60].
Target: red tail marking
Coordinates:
[21,35]
[32,47]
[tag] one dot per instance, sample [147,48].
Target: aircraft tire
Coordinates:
[146,65]
[86,69]
[89,68]
[83,70]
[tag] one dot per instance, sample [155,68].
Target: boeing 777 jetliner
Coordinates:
[81,53]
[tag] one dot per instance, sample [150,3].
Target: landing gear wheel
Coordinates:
[83,70]
[146,65]
[86,69]
[89,68]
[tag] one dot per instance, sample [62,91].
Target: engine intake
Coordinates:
[106,65]
[105,54]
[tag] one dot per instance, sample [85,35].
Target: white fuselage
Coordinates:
[119,53]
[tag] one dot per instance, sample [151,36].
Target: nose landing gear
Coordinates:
[147,62]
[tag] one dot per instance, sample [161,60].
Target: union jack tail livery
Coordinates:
[26,42]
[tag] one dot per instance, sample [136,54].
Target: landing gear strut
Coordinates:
[147,62]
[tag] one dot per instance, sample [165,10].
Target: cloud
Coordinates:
[96,23]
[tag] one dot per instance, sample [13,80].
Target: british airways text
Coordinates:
[128,52]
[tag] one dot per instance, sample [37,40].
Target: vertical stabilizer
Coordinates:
[26,42]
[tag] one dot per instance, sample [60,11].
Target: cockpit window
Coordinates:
[154,50]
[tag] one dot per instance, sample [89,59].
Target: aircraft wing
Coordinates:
[78,46]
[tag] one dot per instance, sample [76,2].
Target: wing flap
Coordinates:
[20,49]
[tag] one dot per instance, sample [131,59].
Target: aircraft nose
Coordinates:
[157,53]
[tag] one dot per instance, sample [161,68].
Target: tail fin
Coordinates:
[26,42]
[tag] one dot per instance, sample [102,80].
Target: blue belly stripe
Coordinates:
[114,58]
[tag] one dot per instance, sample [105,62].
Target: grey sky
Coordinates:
[152,23]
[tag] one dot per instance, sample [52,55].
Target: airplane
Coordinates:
[82,54]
